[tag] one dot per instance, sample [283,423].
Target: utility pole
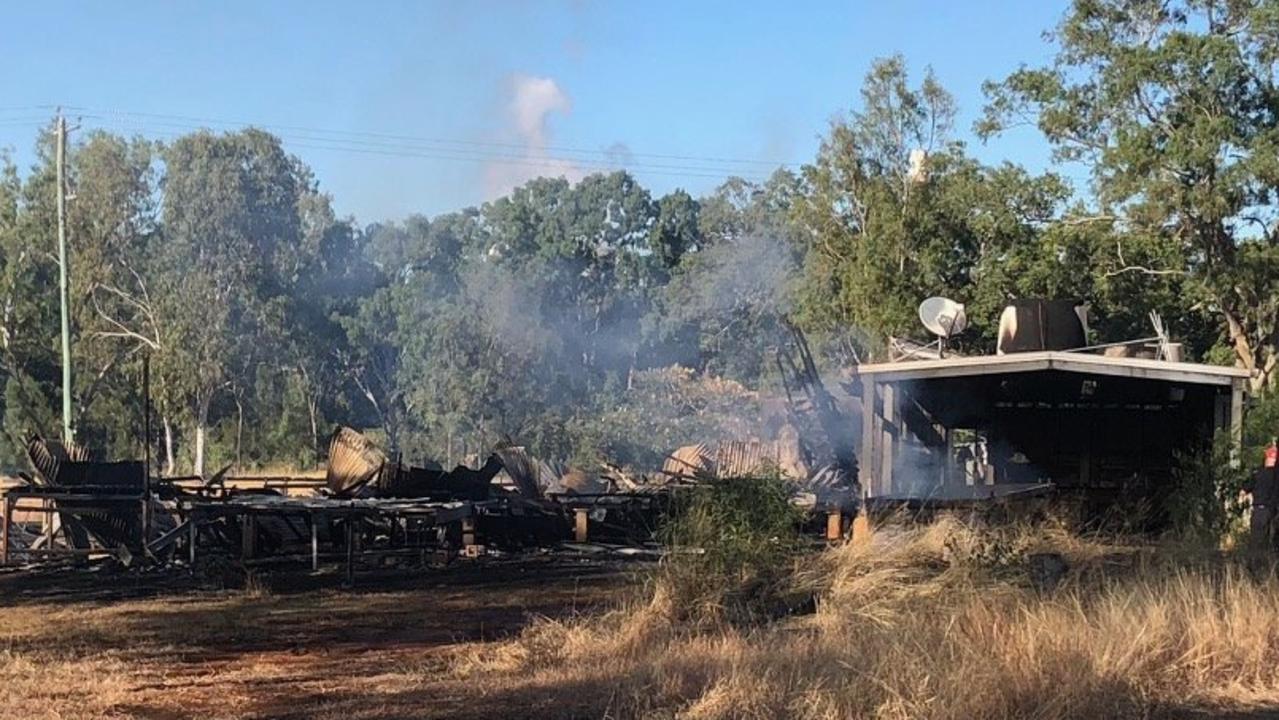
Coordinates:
[61,155]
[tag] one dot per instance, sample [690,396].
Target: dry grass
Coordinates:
[941,622]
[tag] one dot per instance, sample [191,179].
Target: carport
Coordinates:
[973,427]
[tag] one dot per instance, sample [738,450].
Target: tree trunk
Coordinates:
[168,447]
[198,467]
[201,421]
[313,407]
[1260,360]
[239,430]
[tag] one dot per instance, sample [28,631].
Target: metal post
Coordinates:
[146,450]
[61,160]
[4,530]
[194,533]
[315,544]
[48,517]
[350,549]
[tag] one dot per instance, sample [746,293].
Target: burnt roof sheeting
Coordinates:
[353,461]
[462,483]
[523,470]
[47,456]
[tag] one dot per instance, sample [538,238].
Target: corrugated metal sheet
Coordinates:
[690,460]
[740,458]
[353,461]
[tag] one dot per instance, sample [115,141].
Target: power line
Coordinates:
[391,149]
[430,140]
[409,146]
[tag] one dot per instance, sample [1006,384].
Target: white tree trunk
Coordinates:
[168,447]
[239,430]
[313,407]
[201,420]
[199,450]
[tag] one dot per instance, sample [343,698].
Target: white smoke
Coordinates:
[531,103]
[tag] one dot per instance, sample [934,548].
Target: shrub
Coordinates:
[1204,502]
[731,546]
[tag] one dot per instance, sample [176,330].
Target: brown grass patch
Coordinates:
[270,651]
[941,622]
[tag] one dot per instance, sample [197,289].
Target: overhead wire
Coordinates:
[393,149]
[552,157]
[188,120]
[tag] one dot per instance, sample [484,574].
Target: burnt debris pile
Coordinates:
[371,509]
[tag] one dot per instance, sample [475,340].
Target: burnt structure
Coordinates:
[1104,429]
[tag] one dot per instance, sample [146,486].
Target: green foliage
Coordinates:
[731,545]
[1261,425]
[554,317]
[1204,501]
[1171,106]
[668,408]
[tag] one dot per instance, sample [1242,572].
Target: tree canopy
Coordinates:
[592,320]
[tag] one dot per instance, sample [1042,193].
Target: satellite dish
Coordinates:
[943,317]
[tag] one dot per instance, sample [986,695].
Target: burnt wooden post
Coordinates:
[835,520]
[248,534]
[861,528]
[581,522]
[193,531]
[468,531]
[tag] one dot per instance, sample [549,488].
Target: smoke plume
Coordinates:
[530,104]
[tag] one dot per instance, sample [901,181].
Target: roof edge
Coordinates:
[1055,360]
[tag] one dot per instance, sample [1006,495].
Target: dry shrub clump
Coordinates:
[945,621]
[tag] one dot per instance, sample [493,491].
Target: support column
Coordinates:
[47,519]
[248,535]
[4,529]
[350,549]
[889,433]
[1236,422]
[581,521]
[315,543]
[947,453]
[866,464]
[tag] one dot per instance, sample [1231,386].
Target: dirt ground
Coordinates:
[77,644]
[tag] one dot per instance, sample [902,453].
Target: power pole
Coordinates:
[67,432]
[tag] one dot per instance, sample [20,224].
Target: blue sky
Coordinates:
[428,107]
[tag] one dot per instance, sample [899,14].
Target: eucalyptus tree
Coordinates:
[1174,108]
[28,363]
[232,237]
